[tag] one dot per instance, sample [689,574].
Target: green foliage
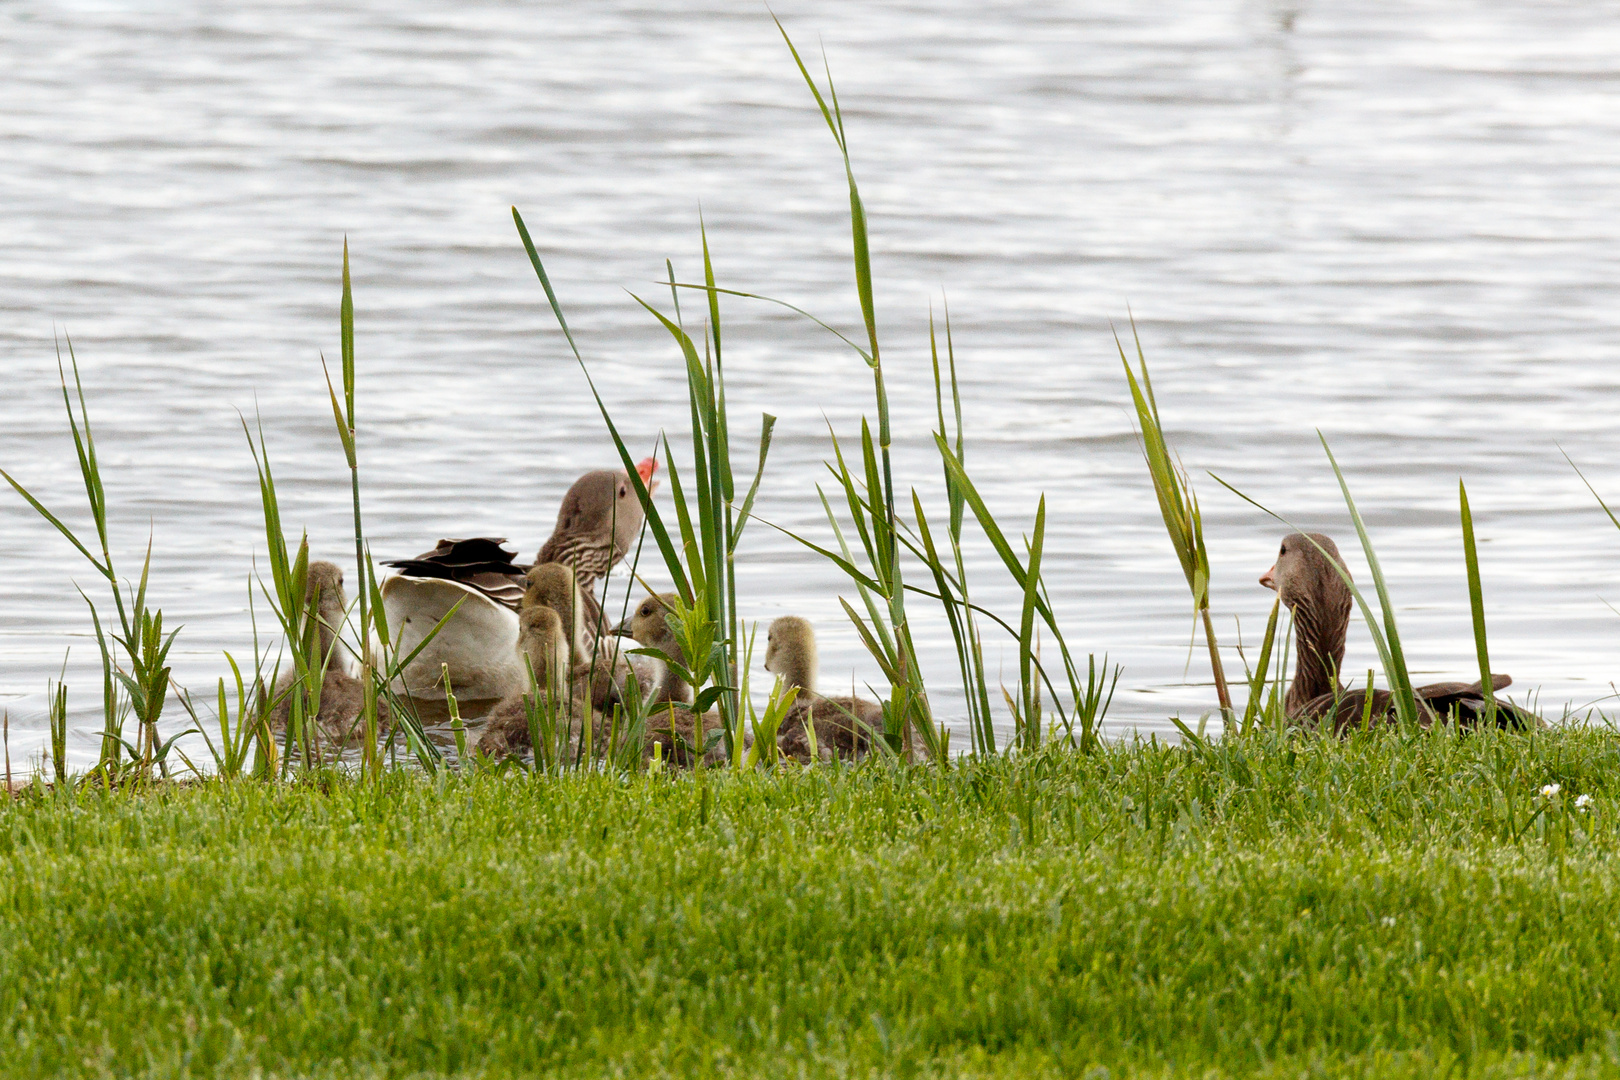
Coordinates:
[709,520]
[1257,678]
[139,680]
[700,554]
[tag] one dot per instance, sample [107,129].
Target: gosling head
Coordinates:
[790,651]
[552,585]
[324,584]
[602,509]
[649,625]
[323,587]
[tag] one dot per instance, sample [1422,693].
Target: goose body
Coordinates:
[600,518]
[478,643]
[1309,577]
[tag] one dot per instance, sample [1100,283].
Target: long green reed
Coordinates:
[701,557]
[1400,679]
[243,735]
[370,597]
[1252,709]
[886,631]
[961,617]
[1178,505]
[710,522]
[139,681]
[56,696]
[296,611]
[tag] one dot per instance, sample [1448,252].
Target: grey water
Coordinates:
[1393,223]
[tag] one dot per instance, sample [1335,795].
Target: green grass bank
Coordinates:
[1274,905]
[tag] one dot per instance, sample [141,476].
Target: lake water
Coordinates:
[1395,223]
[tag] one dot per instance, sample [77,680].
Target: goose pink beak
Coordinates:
[646,468]
[1269,578]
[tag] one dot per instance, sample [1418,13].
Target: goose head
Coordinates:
[1309,577]
[599,519]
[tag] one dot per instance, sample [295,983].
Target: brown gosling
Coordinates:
[544,642]
[670,722]
[843,726]
[343,696]
[598,666]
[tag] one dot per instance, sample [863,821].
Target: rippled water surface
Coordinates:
[1395,223]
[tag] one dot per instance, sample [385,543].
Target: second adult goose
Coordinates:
[1307,578]
[599,519]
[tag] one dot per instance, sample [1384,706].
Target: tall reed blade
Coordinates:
[1029,688]
[56,695]
[1178,506]
[1257,682]
[1400,679]
[139,669]
[909,696]
[365,574]
[1476,603]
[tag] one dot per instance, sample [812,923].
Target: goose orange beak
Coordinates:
[646,469]
[1269,578]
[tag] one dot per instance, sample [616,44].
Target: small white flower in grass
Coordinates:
[1550,790]
[1389,920]
[1583,802]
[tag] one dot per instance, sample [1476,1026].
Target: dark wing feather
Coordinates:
[480,563]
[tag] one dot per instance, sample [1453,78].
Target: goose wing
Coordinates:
[480,563]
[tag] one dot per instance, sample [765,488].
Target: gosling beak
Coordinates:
[622,630]
[646,469]
[1269,578]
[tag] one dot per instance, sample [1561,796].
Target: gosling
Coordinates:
[598,669]
[670,722]
[543,640]
[338,717]
[843,726]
